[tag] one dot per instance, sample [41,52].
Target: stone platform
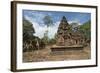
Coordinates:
[64,48]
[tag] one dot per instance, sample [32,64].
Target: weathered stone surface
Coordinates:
[66,36]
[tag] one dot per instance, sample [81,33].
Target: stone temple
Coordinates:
[67,36]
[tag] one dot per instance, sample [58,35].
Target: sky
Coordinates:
[36,18]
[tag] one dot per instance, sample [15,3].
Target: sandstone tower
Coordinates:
[66,36]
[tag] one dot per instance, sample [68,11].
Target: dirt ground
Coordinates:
[48,55]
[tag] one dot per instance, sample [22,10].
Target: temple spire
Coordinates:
[64,20]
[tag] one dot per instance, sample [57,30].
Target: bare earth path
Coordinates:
[47,55]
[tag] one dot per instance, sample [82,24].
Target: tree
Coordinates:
[52,41]
[28,30]
[86,29]
[45,38]
[48,20]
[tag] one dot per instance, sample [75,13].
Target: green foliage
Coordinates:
[48,20]
[45,38]
[42,44]
[29,38]
[52,41]
[86,29]
[86,26]
[28,29]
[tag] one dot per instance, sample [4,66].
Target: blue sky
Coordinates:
[36,17]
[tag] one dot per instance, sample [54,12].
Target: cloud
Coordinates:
[34,16]
[74,21]
[40,30]
[52,30]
